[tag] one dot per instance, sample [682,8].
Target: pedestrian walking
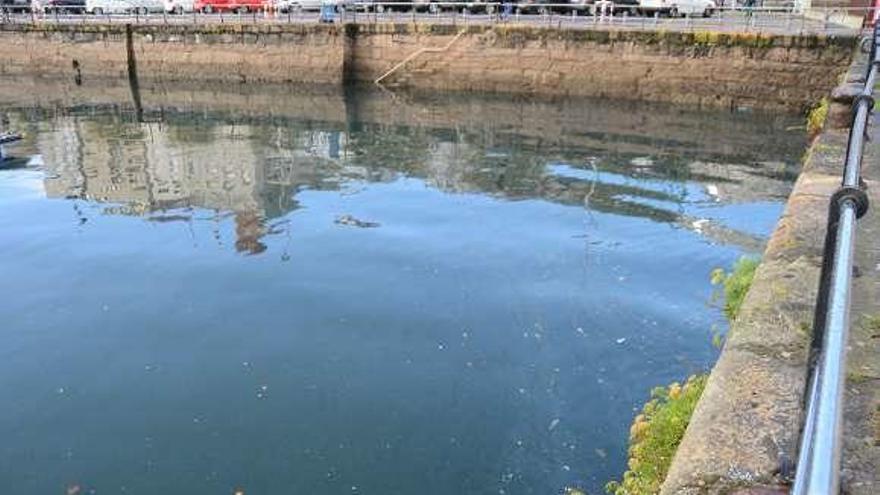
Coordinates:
[506,10]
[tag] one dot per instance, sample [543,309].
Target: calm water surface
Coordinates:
[296,292]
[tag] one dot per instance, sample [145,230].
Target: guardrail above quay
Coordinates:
[729,17]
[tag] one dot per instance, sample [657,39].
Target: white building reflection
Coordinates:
[145,169]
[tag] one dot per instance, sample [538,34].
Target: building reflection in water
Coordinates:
[252,167]
[162,171]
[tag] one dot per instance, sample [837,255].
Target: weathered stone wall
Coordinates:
[219,53]
[708,69]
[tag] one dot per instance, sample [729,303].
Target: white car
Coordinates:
[297,5]
[285,6]
[678,8]
[179,6]
[99,7]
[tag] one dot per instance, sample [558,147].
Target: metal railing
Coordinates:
[729,17]
[818,467]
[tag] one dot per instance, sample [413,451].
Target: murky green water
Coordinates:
[324,293]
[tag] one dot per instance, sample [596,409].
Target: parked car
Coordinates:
[544,7]
[432,6]
[64,6]
[14,6]
[678,8]
[583,6]
[630,7]
[477,6]
[179,6]
[387,5]
[285,6]
[240,6]
[99,7]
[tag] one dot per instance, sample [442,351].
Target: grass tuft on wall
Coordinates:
[735,284]
[655,435]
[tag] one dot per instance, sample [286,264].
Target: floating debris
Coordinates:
[698,225]
[354,222]
[621,340]
[169,218]
[712,190]
[642,162]
[553,424]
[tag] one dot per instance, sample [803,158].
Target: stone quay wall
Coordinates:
[703,68]
[224,53]
[743,436]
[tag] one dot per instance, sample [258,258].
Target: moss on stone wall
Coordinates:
[816,117]
[735,284]
[655,435]
[657,432]
[506,32]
